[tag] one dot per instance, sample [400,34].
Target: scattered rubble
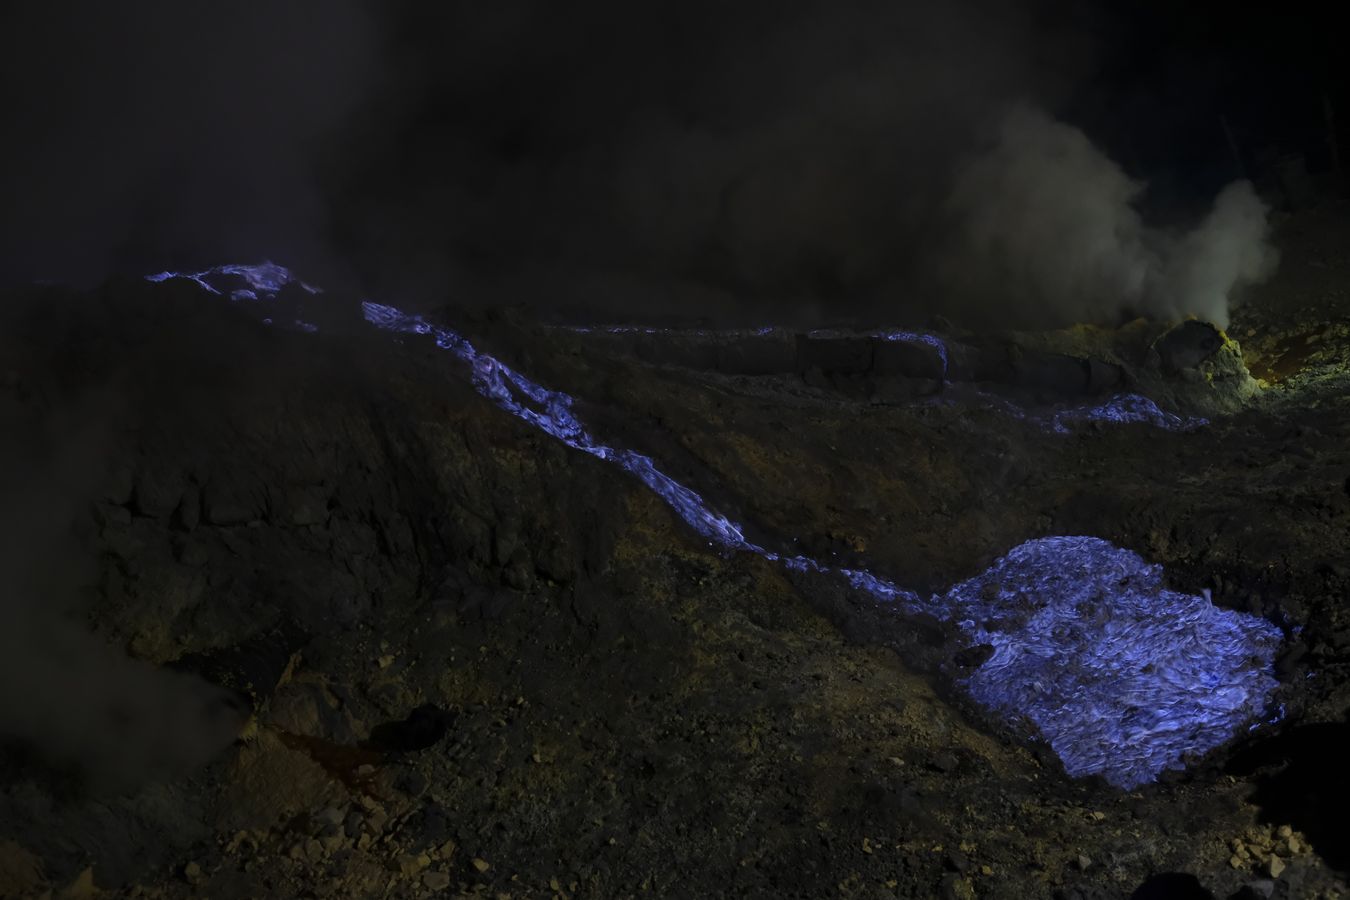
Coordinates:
[476,663]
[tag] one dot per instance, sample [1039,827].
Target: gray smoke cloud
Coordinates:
[1228,251]
[802,160]
[1047,223]
[63,689]
[881,160]
[156,131]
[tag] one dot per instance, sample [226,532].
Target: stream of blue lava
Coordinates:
[1121,676]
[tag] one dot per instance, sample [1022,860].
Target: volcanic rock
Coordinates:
[643,708]
[436,881]
[1188,345]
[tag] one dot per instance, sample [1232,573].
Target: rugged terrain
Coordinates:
[462,659]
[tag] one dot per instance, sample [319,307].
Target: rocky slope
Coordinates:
[425,649]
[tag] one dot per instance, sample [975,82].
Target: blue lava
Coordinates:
[916,337]
[1124,409]
[1123,677]
[264,281]
[890,334]
[1121,409]
[551,411]
[265,278]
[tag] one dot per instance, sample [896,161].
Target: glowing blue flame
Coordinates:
[1121,676]
[915,337]
[1123,409]
[551,411]
[890,334]
[263,279]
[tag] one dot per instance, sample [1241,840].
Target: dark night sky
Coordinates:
[654,157]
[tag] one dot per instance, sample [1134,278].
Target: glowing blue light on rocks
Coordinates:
[264,279]
[1123,677]
[1124,409]
[917,337]
[551,412]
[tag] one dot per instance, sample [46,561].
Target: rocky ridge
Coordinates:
[468,661]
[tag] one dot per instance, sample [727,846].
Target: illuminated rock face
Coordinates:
[1121,676]
[1124,409]
[264,279]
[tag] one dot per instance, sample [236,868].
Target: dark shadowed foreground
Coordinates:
[295,614]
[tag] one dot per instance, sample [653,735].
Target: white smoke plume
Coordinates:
[1047,223]
[64,690]
[1228,250]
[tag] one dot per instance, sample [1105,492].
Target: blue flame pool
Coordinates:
[1121,676]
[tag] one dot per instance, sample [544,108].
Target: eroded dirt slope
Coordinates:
[470,661]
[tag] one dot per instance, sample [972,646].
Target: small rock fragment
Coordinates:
[945,762]
[192,872]
[436,881]
[1275,866]
[954,887]
[82,888]
[376,821]
[330,815]
[481,864]
[413,783]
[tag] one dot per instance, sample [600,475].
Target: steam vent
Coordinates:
[862,451]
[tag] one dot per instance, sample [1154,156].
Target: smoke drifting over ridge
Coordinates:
[1046,219]
[812,162]
[69,693]
[155,132]
[805,160]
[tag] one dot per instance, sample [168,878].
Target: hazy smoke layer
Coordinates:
[171,131]
[799,159]
[815,161]
[1228,250]
[63,689]
[1049,225]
